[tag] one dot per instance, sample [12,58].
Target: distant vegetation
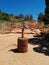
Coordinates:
[4,16]
[9,21]
[9,17]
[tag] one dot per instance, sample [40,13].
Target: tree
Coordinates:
[31,17]
[0,12]
[28,17]
[40,17]
[21,16]
[4,16]
[45,17]
[47,11]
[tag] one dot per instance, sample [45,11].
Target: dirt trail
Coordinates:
[8,43]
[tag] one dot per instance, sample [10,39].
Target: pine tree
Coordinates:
[47,11]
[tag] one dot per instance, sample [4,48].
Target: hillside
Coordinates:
[9,22]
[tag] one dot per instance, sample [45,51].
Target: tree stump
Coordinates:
[23,44]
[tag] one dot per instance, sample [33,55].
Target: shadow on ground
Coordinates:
[15,50]
[34,41]
[42,42]
[43,50]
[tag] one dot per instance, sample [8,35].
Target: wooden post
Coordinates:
[23,44]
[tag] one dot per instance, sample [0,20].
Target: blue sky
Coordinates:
[17,7]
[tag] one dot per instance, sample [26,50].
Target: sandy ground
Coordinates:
[8,57]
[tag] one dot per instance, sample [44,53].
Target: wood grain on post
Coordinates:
[23,44]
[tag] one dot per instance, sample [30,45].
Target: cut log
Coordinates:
[23,44]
